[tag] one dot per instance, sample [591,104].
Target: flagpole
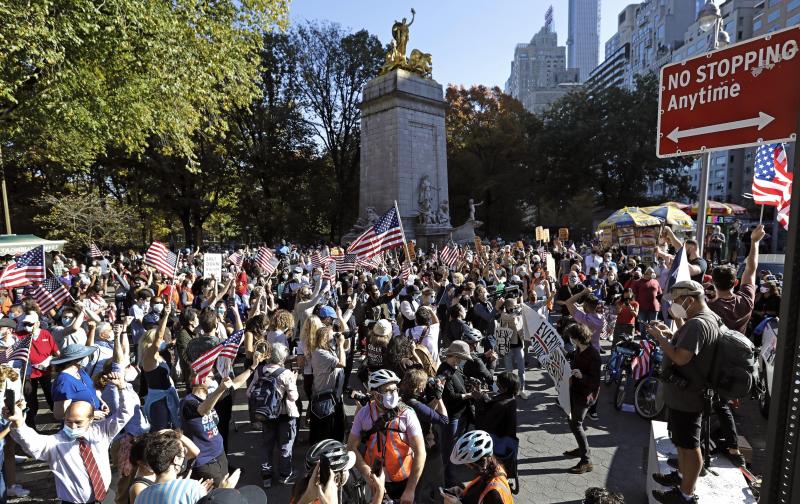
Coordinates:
[402,231]
[761,217]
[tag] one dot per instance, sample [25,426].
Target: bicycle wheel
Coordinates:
[619,398]
[649,398]
[606,375]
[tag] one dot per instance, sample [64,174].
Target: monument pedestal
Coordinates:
[404,155]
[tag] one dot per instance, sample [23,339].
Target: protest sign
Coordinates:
[550,264]
[502,336]
[539,235]
[412,253]
[563,234]
[545,235]
[547,345]
[212,266]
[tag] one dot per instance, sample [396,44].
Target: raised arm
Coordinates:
[751,263]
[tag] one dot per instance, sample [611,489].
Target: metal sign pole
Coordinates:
[782,477]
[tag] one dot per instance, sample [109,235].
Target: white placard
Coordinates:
[212,266]
[502,336]
[548,347]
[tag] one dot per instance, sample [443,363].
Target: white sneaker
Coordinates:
[523,395]
[17,491]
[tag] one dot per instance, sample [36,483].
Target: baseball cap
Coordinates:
[686,288]
[327,312]
[382,328]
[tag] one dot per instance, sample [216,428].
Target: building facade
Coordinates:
[659,30]
[583,37]
[539,73]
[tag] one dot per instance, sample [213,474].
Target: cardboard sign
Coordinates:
[212,266]
[560,371]
[412,254]
[503,337]
[548,347]
[550,264]
[563,234]
[545,235]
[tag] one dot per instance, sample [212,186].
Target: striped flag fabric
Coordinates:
[329,270]
[368,262]
[50,295]
[783,212]
[161,258]
[236,259]
[316,260]
[20,350]
[265,260]
[640,365]
[226,349]
[26,269]
[345,262]
[772,183]
[449,254]
[405,271]
[94,251]
[386,234]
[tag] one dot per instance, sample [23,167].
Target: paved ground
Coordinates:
[619,443]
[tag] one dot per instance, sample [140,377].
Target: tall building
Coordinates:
[583,37]
[615,69]
[539,73]
[771,15]
[659,29]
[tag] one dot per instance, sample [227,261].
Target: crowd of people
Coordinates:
[411,345]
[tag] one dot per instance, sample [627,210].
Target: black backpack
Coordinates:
[734,370]
[265,402]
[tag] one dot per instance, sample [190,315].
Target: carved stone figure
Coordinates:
[472,206]
[444,213]
[369,219]
[426,212]
[419,62]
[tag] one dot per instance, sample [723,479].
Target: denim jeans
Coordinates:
[578,413]
[450,433]
[282,432]
[516,357]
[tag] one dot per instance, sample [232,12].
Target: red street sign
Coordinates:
[742,95]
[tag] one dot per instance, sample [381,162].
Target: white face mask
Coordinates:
[764,290]
[74,433]
[537,274]
[158,307]
[678,311]
[390,400]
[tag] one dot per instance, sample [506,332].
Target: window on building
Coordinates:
[757,25]
[792,6]
[793,20]
[773,3]
[773,16]
[731,159]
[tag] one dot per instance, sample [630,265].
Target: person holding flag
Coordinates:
[43,348]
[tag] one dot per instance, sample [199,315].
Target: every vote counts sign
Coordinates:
[742,95]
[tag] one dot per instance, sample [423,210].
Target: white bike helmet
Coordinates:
[340,458]
[381,377]
[471,447]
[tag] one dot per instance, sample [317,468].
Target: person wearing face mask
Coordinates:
[328,359]
[475,449]
[78,454]
[574,286]
[73,383]
[424,395]
[101,337]
[188,322]
[139,309]
[43,349]
[627,311]
[168,457]
[540,287]
[697,265]
[584,387]
[305,302]
[688,357]
[456,400]
[71,329]
[161,401]
[392,437]
[647,292]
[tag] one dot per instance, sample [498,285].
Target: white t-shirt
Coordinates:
[429,339]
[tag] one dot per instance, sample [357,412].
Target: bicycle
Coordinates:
[613,369]
[648,397]
[628,350]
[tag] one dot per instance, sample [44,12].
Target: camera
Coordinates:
[472,384]
[434,389]
[362,398]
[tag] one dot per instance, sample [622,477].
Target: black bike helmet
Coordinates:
[339,457]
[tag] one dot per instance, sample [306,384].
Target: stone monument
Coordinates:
[403,145]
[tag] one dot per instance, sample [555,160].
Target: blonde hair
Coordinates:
[321,338]
[149,337]
[458,278]
[379,339]
[309,330]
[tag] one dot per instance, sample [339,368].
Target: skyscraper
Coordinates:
[583,37]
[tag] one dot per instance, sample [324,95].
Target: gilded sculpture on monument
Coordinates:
[419,62]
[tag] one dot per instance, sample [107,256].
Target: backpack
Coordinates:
[265,402]
[422,355]
[734,370]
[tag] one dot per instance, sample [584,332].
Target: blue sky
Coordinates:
[472,41]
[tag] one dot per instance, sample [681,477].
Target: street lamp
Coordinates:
[708,18]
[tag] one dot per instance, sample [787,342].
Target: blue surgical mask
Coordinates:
[73,433]
[162,346]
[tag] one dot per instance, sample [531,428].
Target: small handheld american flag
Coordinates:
[162,259]
[51,294]
[236,259]
[94,251]
[386,234]
[225,350]
[18,351]
[265,260]
[449,254]
[345,262]
[26,269]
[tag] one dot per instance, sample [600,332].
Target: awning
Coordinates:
[17,244]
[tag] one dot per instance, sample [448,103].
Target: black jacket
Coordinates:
[454,388]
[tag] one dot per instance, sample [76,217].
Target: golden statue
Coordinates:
[419,62]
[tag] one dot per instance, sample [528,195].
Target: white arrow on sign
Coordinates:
[760,121]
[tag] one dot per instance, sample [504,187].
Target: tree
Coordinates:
[78,76]
[488,134]
[82,219]
[334,66]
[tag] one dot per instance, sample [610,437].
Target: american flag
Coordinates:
[384,235]
[772,184]
[449,254]
[640,365]
[18,351]
[26,269]
[783,213]
[405,271]
[316,259]
[329,269]
[50,295]
[236,259]
[159,257]
[111,314]
[265,260]
[94,251]
[368,262]
[227,349]
[345,262]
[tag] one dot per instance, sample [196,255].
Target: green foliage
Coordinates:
[79,76]
[85,218]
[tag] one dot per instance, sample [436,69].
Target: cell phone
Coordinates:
[324,471]
[9,400]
